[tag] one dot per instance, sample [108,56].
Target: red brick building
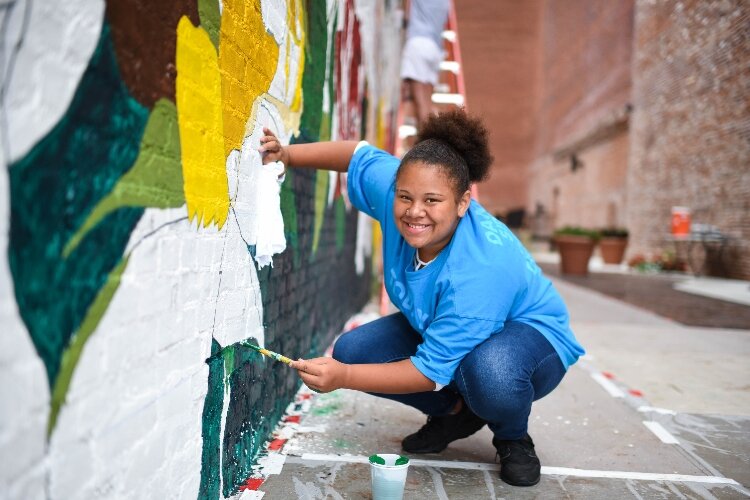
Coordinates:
[609,113]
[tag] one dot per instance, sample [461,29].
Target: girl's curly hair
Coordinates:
[457,144]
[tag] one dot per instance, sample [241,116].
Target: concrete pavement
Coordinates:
[655,410]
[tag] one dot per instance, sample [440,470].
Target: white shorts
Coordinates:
[420,60]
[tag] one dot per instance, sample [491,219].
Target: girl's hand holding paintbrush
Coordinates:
[322,374]
[327,374]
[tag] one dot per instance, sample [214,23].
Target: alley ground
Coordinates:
[656,409]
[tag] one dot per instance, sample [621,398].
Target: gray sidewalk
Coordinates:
[655,410]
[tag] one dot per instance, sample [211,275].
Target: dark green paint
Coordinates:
[322,178]
[210,485]
[289,213]
[313,78]
[155,180]
[52,191]
[248,414]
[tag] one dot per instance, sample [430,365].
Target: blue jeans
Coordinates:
[498,380]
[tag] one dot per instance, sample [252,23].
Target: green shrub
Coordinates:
[578,231]
[614,232]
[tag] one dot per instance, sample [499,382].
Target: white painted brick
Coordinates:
[188,255]
[147,264]
[19,379]
[206,316]
[30,483]
[233,303]
[69,466]
[199,383]
[22,447]
[204,250]
[134,426]
[174,400]
[180,359]
[148,456]
[187,324]
[157,299]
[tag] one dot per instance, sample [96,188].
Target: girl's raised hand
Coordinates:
[271,149]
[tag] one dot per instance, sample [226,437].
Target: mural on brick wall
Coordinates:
[144,238]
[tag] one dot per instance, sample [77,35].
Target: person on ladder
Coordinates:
[422,54]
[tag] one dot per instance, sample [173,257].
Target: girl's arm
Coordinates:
[327,374]
[318,155]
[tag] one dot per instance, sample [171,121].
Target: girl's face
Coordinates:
[425,208]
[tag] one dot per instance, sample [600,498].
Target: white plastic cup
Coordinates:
[389,479]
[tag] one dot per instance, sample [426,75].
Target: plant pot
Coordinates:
[575,252]
[613,249]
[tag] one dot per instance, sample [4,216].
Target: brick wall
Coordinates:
[610,113]
[499,42]
[691,125]
[130,216]
[578,173]
[552,80]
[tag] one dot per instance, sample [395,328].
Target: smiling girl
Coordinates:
[481,333]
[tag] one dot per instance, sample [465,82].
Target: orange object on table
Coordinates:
[680,221]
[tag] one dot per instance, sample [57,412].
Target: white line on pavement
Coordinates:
[551,471]
[652,409]
[660,432]
[608,386]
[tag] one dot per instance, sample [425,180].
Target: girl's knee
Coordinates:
[494,369]
[496,386]
[344,349]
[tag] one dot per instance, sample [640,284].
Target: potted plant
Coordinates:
[612,244]
[575,245]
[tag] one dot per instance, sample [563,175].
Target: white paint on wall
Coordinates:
[50,46]
[283,86]
[364,241]
[274,18]
[250,203]
[136,398]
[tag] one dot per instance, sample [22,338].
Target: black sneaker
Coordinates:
[435,435]
[519,465]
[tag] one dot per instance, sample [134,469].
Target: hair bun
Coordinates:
[466,134]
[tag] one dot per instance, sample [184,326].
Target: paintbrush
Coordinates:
[265,352]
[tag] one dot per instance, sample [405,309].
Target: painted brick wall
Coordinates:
[132,209]
[691,124]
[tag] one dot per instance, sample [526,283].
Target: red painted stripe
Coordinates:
[252,484]
[608,375]
[276,444]
[636,393]
[294,419]
[305,396]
